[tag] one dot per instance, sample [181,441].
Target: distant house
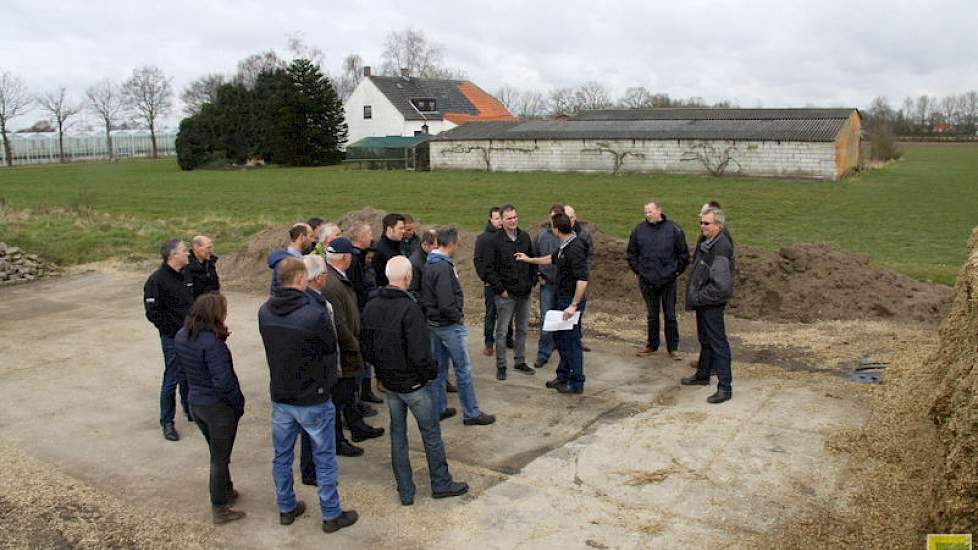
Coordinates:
[382,106]
[802,143]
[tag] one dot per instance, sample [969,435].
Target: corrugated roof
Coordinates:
[752,125]
[454,98]
[389,142]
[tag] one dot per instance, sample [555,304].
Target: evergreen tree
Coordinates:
[305,118]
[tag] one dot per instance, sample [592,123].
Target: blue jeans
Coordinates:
[548,293]
[317,421]
[172,377]
[714,347]
[422,406]
[449,342]
[570,370]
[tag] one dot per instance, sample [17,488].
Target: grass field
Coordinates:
[914,215]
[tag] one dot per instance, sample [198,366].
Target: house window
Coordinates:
[368,112]
[424,104]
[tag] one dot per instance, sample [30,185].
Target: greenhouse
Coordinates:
[389,153]
[42,147]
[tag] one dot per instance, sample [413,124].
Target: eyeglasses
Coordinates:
[706,223]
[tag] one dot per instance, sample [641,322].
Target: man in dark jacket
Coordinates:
[511,283]
[442,301]
[388,246]
[365,287]
[709,289]
[429,240]
[571,280]
[395,340]
[493,226]
[300,244]
[167,296]
[203,266]
[657,254]
[339,292]
[409,239]
[301,354]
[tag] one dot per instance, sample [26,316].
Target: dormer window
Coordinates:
[424,104]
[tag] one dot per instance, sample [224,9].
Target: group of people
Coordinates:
[343,311]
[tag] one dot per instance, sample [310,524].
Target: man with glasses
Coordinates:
[657,254]
[710,288]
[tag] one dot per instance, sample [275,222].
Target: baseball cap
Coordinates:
[340,245]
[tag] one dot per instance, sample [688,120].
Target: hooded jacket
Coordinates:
[339,291]
[657,252]
[167,296]
[503,272]
[299,348]
[711,280]
[273,259]
[396,341]
[204,275]
[441,292]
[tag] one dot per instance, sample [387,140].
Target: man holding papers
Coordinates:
[570,278]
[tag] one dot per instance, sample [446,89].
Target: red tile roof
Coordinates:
[490,109]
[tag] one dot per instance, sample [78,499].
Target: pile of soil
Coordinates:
[803,283]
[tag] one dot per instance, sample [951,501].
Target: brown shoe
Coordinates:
[647,350]
[674,355]
[224,514]
[488,350]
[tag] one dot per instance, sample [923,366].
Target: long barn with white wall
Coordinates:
[797,143]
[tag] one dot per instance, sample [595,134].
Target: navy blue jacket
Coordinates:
[657,252]
[206,361]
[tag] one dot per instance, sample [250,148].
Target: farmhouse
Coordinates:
[382,106]
[802,143]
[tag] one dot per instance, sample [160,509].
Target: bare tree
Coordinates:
[880,111]
[508,96]
[297,45]
[351,73]
[968,106]
[637,97]
[591,96]
[922,111]
[529,104]
[15,100]
[201,92]
[61,108]
[250,67]
[560,101]
[106,101]
[150,94]
[410,50]
[949,110]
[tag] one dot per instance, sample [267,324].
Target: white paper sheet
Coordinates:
[554,320]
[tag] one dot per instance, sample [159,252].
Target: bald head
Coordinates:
[202,247]
[398,272]
[571,213]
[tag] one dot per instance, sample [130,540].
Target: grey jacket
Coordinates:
[441,292]
[711,280]
[545,244]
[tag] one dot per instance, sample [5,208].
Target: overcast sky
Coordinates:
[758,52]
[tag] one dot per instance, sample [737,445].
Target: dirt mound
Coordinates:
[955,410]
[247,268]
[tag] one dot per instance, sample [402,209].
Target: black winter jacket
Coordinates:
[396,342]
[167,296]
[481,248]
[657,252]
[711,281]
[418,258]
[503,272]
[204,275]
[386,249]
[300,348]
[206,361]
[441,292]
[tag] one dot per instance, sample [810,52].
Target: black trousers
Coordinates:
[344,395]
[219,425]
[714,347]
[663,297]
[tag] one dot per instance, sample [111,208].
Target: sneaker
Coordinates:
[286,518]
[500,374]
[224,514]
[694,381]
[447,413]
[647,350]
[482,420]
[170,433]
[345,519]
[524,368]
[456,489]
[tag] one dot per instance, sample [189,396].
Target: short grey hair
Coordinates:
[397,268]
[169,247]
[325,229]
[718,216]
[315,266]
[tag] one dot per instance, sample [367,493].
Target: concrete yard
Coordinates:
[635,462]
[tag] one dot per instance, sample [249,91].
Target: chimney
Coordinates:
[404,72]
[366,71]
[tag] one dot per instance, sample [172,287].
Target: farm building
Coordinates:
[801,143]
[382,106]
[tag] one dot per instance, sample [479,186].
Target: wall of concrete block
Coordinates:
[746,158]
